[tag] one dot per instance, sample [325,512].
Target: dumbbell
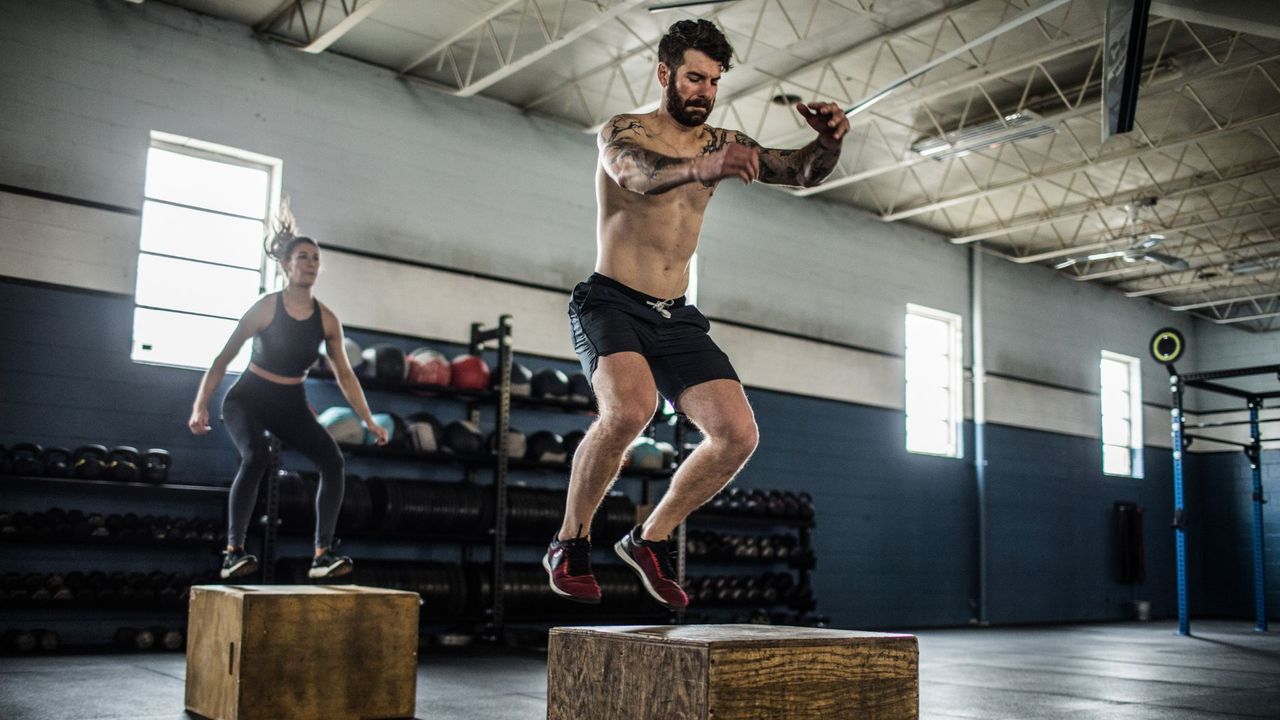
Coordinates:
[791,505]
[134,639]
[736,500]
[89,461]
[775,505]
[155,465]
[807,509]
[15,524]
[21,641]
[49,641]
[55,462]
[167,639]
[24,459]
[125,463]
[37,585]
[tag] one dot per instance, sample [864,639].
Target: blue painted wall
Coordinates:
[896,537]
[1227,519]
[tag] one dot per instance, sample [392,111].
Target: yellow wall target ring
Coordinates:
[1167,345]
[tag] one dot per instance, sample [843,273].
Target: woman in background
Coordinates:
[287,328]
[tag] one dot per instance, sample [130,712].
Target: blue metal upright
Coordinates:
[1259,574]
[1175,386]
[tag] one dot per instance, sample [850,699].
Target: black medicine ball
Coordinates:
[463,437]
[385,362]
[550,382]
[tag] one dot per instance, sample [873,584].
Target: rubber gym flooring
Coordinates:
[1120,671]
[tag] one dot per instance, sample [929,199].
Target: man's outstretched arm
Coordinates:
[641,170]
[811,164]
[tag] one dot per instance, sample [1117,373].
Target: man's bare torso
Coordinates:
[646,241]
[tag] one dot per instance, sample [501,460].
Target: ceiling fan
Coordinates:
[1140,247]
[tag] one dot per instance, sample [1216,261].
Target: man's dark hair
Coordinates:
[700,35]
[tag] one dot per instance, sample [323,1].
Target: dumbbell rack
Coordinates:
[801,559]
[84,592]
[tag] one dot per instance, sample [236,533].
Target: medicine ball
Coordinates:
[668,453]
[572,440]
[385,361]
[343,424]
[580,388]
[521,380]
[397,432]
[645,455]
[469,372]
[516,443]
[546,446]
[354,357]
[463,437]
[426,435]
[428,367]
[550,382]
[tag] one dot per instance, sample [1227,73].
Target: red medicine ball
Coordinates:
[469,373]
[429,367]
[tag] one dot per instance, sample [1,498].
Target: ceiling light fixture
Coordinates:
[1022,125]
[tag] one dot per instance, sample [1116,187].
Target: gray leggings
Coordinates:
[254,406]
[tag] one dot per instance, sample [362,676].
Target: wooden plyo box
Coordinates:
[301,652]
[730,672]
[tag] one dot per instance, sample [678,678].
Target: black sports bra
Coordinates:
[287,346]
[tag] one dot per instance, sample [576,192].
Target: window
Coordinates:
[201,265]
[1121,415]
[933,381]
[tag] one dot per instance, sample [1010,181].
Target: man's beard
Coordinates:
[680,110]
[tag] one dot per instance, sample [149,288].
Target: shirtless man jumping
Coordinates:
[633,330]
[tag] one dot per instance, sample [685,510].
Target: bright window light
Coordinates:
[933,366]
[201,263]
[1121,415]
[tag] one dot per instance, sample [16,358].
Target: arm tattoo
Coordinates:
[805,167]
[622,124]
[647,163]
[633,166]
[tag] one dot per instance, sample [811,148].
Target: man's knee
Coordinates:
[622,423]
[739,436]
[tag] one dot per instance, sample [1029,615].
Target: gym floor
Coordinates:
[1133,671]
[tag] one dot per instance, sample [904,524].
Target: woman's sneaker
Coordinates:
[329,565]
[237,563]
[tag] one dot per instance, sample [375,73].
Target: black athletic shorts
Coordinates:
[606,317]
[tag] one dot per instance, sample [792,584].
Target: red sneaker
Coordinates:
[652,562]
[568,565]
